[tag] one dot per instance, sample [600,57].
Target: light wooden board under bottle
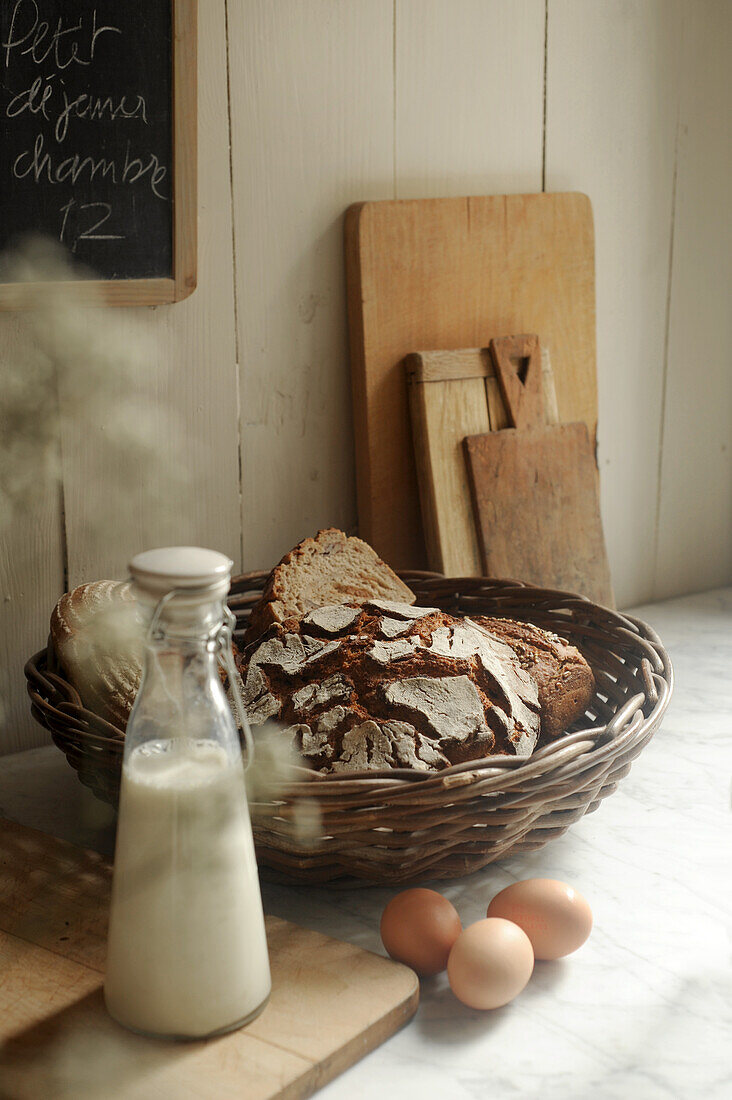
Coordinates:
[331,1002]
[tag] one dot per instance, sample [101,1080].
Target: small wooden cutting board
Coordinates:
[453,394]
[331,1002]
[534,488]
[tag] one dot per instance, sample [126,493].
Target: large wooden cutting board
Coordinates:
[331,1002]
[453,273]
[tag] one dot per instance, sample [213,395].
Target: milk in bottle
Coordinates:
[187,952]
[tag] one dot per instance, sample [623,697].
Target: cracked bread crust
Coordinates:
[389,685]
[330,568]
[565,680]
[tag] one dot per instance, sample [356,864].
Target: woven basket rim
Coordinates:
[403,826]
[551,757]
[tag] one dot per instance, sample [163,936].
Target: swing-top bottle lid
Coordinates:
[201,574]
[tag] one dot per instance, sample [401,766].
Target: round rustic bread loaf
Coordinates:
[98,639]
[389,685]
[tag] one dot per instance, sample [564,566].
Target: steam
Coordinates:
[80,370]
[76,380]
[276,765]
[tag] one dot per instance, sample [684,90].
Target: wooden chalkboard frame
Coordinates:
[148,292]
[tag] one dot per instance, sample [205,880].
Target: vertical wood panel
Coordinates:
[612,95]
[187,491]
[312,132]
[468,103]
[695,522]
[469,97]
[31,565]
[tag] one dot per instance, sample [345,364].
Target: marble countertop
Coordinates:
[642,1011]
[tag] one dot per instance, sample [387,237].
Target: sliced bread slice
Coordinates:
[328,569]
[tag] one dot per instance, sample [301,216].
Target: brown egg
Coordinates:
[419,927]
[553,915]
[490,963]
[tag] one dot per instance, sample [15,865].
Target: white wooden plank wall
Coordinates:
[469,97]
[312,132]
[695,519]
[612,104]
[331,102]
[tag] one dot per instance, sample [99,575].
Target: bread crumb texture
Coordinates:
[329,569]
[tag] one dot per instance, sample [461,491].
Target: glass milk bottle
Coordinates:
[187,952]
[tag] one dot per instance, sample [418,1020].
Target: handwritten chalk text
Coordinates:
[38,99]
[32,36]
[40,165]
[84,117]
[91,232]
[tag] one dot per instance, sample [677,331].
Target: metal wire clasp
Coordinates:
[221,640]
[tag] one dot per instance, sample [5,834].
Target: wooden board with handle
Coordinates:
[453,394]
[451,273]
[331,1002]
[535,489]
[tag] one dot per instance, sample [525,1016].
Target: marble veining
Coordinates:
[642,1011]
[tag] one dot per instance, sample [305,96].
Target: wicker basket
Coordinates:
[399,826]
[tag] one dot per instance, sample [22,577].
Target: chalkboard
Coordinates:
[97,143]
